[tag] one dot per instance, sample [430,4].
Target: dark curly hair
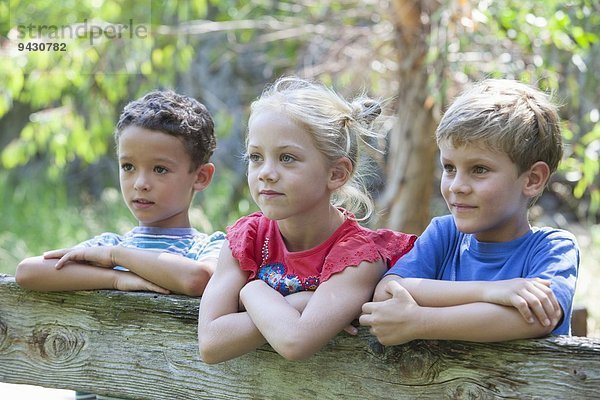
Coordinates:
[176,115]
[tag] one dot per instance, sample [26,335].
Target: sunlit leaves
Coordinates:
[551,44]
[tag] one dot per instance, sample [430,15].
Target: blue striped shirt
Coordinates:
[187,242]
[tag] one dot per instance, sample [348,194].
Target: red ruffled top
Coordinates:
[257,244]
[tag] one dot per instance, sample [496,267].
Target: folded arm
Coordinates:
[401,318]
[40,274]
[176,273]
[296,326]
[532,298]
[224,332]
[334,305]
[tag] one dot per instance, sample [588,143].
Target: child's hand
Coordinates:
[382,291]
[130,282]
[58,253]
[531,297]
[393,321]
[100,256]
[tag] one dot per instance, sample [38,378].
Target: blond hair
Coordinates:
[507,116]
[338,127]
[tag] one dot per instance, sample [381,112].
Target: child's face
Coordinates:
[287,175]
[484,192]
[155,177]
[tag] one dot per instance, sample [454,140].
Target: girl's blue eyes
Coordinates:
[284,158]
[253,157]
[127,167]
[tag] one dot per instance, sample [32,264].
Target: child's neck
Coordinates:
[306,234]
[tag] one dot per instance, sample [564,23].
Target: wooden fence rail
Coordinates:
[143,346]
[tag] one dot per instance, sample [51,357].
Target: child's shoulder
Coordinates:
[104,239]
[385,243]
[248,227]
[547,234]
[247,221]
[388,238]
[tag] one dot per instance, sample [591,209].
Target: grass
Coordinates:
[39,216]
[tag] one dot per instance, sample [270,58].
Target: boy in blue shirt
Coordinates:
[483,273]
[164,144]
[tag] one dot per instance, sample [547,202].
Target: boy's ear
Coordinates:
[339,173]
[536,179]
[204,174]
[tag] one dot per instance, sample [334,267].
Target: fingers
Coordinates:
[148,286]
[537,300]
[63,260]
[400,297]
[547,308]
[367,308]
[390,321]
[58,253]
[68,256]
[381,293]
[155,288]
[522,307]
[128,281]
[381,290]
[351,329]
[366,319]
[388,290]
[545,282]
[397,290]
[549,293]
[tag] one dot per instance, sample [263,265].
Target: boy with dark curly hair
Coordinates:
[164,143]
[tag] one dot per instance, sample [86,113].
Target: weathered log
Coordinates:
[143,346]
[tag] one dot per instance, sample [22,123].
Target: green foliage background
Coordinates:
[58,176]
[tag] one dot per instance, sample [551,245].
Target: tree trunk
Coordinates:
[405,202]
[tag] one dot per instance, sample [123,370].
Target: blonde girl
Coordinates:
[296,273]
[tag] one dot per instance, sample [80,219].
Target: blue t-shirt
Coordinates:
[187,242]
[445,253]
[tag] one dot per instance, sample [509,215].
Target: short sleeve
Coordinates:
[206,246]
[427,259]
[393,245]
[104,239]
[367,246]
[557,259]
[242,237]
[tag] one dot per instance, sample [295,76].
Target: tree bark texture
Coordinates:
[404,204]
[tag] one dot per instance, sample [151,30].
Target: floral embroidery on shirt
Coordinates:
[271,274]
[311,283]
[274,275]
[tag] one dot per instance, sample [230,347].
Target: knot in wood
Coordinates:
[58,343]
[468,390]
[577,373]
[417,360]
